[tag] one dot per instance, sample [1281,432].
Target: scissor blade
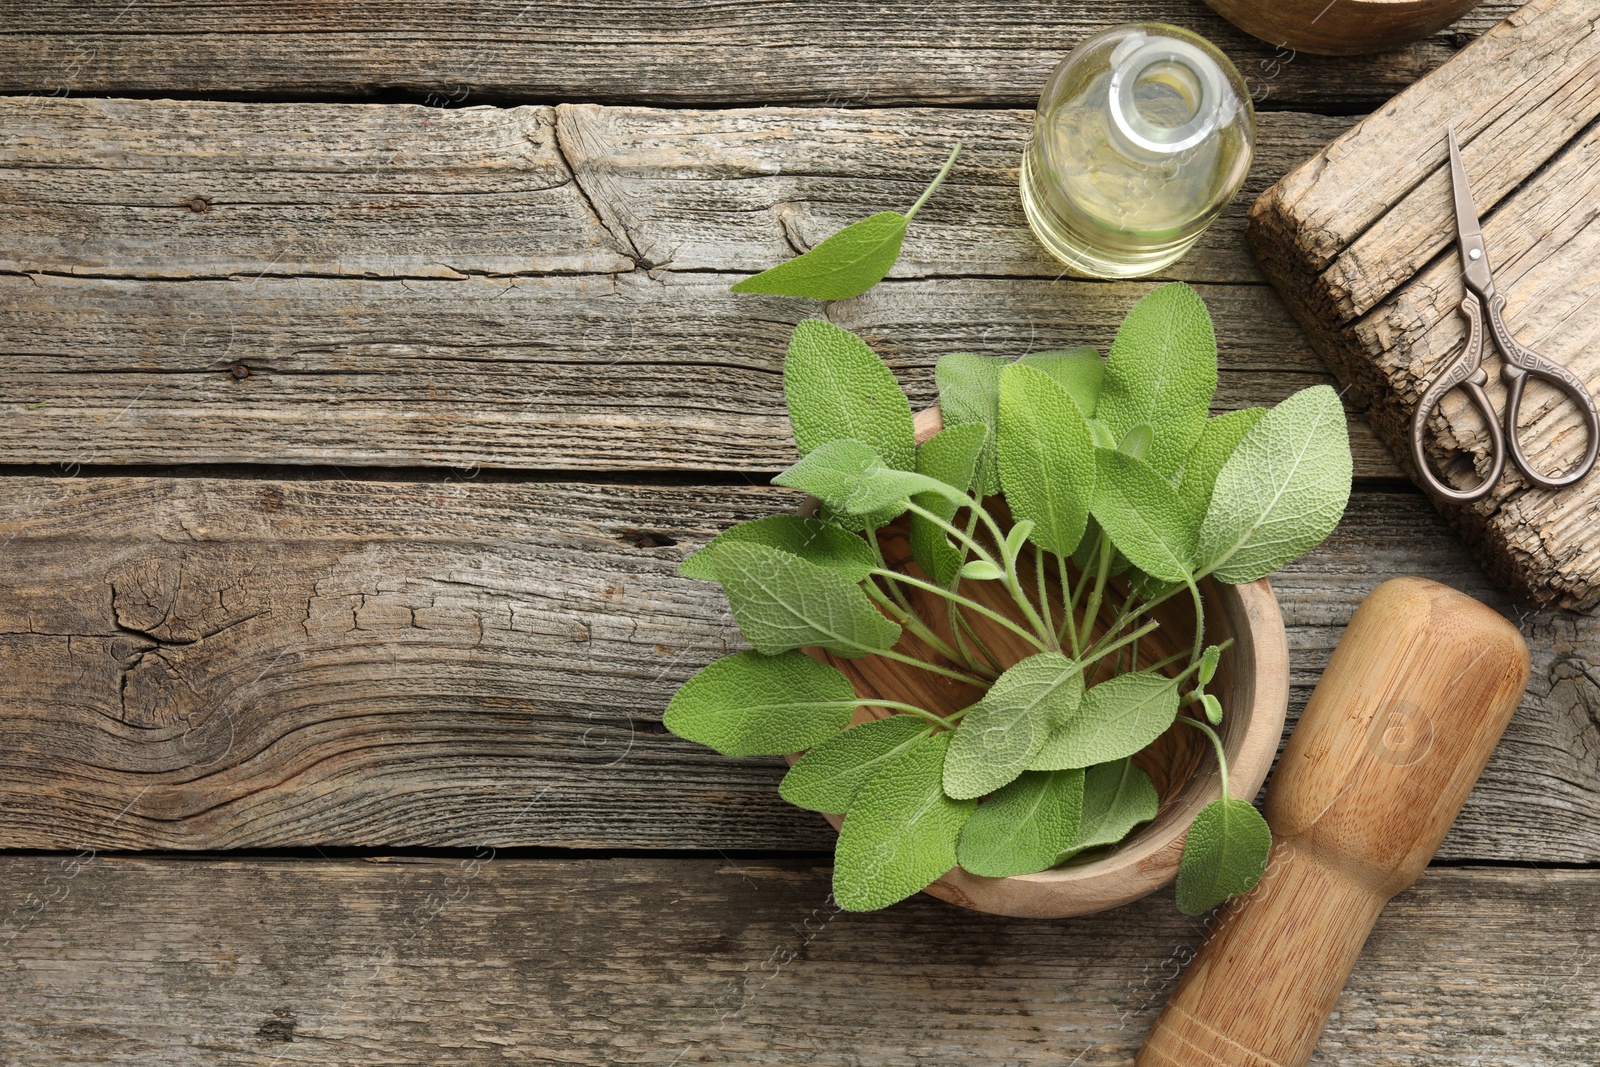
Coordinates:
[1469,231]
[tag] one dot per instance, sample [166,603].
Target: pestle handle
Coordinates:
[1411,706]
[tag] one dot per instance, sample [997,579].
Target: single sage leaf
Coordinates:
[811,539]
[1208,664]
[1225,854]
[1047,464]
[1200,467]
[884,490]
[900,832]
[1282,491]
[1023,827]
[828,777]
[1136,442]
[848,263]
[1117,718]
[992,744]
[1077,370]
[1162,370]
[969,395]
[850,479]
[844,265]
[748,704]
[1117,796]
[952,456]
[782,602]
[979,570]
[1016,536]
[1141,513]
[1213,708]
[836,387]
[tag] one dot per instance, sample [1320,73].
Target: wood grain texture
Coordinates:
[222,663]
[1410,709]
[658,51]
[1377,290]
[490,960]
[409,286]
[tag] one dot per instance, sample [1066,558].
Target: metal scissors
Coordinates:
[1482,301]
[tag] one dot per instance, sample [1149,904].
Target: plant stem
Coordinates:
[957,598]
[960,676]
[1097,653]
[1216,743]
[1092,609]
[968,542]
[877,550]
[959,621]
[1069,604]
[1199,620]
[1044,592]
[895,705]
[938,180]
[911,621]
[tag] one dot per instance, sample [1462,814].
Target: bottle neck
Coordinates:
[1165,97]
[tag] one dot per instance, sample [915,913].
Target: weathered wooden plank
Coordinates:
[168,189]
[549,372]
[489,960]
[1383,309]
[659,51]
[201,663]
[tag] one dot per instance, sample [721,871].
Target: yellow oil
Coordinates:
[1110,208]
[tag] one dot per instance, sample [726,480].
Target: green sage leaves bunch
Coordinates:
[1122,492]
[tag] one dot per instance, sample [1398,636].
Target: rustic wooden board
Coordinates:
[659,51]
[223,663]
[417,360]
[1360,241]
[486,960]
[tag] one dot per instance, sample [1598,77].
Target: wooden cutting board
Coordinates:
[1360,242]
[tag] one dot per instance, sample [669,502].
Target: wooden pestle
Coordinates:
[1413,702]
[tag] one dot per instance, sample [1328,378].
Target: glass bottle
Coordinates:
[1143,135]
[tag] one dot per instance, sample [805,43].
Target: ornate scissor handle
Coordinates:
[1521,363]
[1466,373]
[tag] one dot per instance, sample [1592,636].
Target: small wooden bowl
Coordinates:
[1344,27]
[1252,682]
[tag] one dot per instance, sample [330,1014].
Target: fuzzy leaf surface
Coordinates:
[1162,370]
[828,777]
[783,602]
[844,265]
[748,704]
[1117,718]
[900,833]
[1077,370]
[1224,855]
[1023,827]
[1201,466]
[1141,512]
[1117,796]
[1282,491]
[836,387]
[969,395]
[811,539]
[992,745]
[1047,464]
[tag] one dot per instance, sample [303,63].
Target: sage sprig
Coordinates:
[1122,491]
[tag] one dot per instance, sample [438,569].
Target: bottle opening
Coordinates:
[1166,96]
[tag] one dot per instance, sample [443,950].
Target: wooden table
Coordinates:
[351,442]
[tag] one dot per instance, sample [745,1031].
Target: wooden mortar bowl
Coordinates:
[1344,28]
[1252,683]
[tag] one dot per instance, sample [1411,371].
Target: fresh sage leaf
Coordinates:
[884,490]
[1208,664]
[1136,442]
[1162,370]
[1016,536]
[748,704]
[1047,464]
[836,387]
[980,570]
[1141,513]
[1117,718]
[1024,826]
[851,481]
[782,602]
[848,263]
[1117,796]
[1102,436]
[1282,491]
[969,395]
[1077,370]
[992,744]
[1225,854]
[1213,708]
[828,777]
[811,539]
[1220,437]
[900,833]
